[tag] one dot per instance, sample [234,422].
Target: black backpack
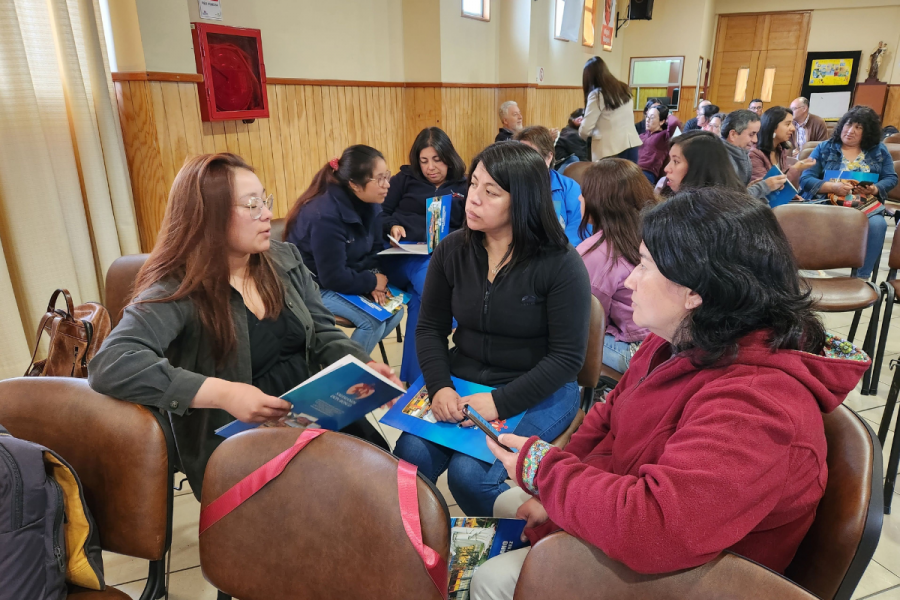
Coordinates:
[47,534]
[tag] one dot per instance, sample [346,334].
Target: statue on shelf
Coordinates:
[875,62]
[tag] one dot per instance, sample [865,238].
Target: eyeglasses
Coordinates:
[383,179]
[255,204]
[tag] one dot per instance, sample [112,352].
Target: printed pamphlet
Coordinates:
[331,399]
[473,540]
[437,220]
[412,414]
[396,299]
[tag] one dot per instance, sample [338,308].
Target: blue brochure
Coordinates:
[854,175]
[331,399]
[782,196]
[473,540]
[412,414]
[437,216]
[397,299]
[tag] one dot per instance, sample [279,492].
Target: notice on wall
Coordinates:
[607,28]
[210,9]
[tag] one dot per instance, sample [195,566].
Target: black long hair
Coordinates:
[440,141]
[870,122]
[770,120]
[708,162]
[356,165]
[521,171]
[596,76]
[744,271]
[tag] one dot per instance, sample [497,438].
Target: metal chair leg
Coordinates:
[856,315]
[888,296]
[587,398]
[399,335]
[383,353]
[223,596]
[869,343]
[890,479]
[888,413]
[155,587]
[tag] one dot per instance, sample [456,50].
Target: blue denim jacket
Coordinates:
[829,158]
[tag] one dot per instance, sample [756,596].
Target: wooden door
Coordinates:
[761,44]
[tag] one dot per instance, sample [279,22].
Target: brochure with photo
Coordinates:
[474,540]
[396,299]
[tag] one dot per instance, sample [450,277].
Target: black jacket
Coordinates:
[339,237]
[405,203]
[529,330]
[570,143]
[503,135]
[691,125]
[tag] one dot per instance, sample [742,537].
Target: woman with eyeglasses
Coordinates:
[223,320]
[336,224]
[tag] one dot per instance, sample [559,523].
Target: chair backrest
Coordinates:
[894,149]
[593,359]
[842,539]
[576,171]
[810,145]
[120,283]
[328,527]
[277,229]
[824,237]
[562,566]
[119,450]
[892,139]
[894,193]
[805,152]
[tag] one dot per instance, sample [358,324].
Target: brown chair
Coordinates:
[834,237]
[829,562]
[122,456]
[120,283]
[894,149]
[807,149]
[576,170]
[328,527]
[894,194]
[277,232]
[562,566]
[892,139]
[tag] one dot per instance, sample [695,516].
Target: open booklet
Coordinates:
[412,414]
[331,399]
[473,540]
[437,227]
[396,299]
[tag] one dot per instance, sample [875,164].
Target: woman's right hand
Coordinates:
[398,232]
[841,188]
[243,401]
[534,513]
[776,183]
[445,406]
[379,294]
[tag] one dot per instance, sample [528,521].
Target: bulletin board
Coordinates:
[828,72]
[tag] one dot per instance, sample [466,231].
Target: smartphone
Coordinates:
[483,425]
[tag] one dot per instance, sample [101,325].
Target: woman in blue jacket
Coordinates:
[566,191]
[854,146]
[336,225]
[434,169]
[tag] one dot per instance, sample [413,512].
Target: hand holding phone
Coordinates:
[483,425]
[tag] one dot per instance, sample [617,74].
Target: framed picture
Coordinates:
[234,74]
[830,72]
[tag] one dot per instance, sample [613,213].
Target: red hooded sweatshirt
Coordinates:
[682,463]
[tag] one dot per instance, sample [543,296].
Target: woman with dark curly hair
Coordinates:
[713,440]
[854,146]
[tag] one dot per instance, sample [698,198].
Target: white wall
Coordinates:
[470,50]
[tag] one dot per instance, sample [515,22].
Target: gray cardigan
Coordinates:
[159,355]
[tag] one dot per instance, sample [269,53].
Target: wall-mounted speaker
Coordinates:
[640,10]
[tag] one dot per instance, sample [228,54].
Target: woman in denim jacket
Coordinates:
[854,146]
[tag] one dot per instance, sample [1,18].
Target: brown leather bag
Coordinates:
[75,336]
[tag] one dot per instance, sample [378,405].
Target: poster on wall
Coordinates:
[829,72]
[210,9]
[608,27]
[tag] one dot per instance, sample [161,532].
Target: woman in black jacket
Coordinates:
[522,298]
[434,169]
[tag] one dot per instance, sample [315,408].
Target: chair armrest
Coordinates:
[562,566]
[120,451]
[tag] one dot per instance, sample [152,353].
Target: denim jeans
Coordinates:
[408,274]
[475,484]
[874,243]
[616,355]
[369,330]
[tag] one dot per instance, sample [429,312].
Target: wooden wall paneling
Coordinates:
[686,109]
[283,133]
[268,162]
[322,145]
[283,198]
[190,111]
[143,156]
[256,156]
[343,115]
[892,107]
[298,111]
[801,43]
[218,131]
[208,137]
[175,123]
[162,132]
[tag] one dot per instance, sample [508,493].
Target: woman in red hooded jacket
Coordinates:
[713,439]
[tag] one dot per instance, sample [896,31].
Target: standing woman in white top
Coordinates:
[608,114]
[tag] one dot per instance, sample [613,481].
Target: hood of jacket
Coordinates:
[740,158]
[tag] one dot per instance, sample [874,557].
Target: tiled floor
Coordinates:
[881,581]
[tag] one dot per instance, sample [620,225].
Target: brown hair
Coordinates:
[539,136]
[615,192]
[189,248]
[596,76]
[356,165]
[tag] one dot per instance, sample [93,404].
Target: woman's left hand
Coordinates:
[386,371]
[802,165]
[483,403]
[507,458]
